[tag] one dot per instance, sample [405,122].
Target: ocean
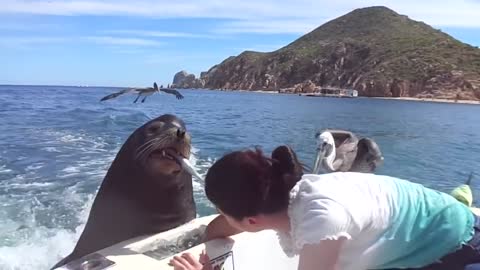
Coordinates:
[57,142]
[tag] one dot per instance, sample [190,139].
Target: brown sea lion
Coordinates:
[145,191]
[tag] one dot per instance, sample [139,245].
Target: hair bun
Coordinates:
[286,166]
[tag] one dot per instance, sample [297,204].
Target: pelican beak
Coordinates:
[323,150]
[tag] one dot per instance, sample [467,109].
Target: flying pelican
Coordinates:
[145,92]
[341,150]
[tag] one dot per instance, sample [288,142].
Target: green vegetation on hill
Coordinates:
[374,50]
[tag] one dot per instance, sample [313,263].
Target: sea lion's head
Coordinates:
[162,142]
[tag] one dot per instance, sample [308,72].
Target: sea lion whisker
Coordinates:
[147,143]
[144,147]
[162,143]
[140,153]
[145,151]
[153,145]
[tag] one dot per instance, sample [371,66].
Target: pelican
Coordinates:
[145,92]
[341,150]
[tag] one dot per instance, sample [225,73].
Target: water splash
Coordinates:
[30,245]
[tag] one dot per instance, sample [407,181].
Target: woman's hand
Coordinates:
[187,262]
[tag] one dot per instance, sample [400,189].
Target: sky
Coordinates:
[133,43]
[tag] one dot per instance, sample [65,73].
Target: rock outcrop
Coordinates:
[185,80]
[373,50]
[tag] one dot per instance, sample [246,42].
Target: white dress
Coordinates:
[389,222]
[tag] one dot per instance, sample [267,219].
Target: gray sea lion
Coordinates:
[145,191]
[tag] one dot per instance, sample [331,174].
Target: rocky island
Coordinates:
[374,50]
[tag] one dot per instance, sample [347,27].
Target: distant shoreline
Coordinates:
[438,100]
[247,91]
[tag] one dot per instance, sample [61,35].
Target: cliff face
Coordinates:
[373,50]
[185,80]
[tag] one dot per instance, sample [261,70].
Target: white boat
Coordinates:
[247,251]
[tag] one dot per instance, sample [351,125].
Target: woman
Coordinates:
[338,221]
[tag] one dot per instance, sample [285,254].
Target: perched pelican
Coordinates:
[341,150]
[145,92]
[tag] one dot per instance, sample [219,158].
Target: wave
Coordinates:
[48,242]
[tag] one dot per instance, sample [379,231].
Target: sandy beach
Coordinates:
[439,100]
[251,91]
[476,102]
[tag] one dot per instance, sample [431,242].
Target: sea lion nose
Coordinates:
[180,133]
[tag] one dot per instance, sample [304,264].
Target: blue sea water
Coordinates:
[56,144]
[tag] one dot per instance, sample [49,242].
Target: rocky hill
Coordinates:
[185,80]
[373,50]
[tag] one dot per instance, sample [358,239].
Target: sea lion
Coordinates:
[145,191]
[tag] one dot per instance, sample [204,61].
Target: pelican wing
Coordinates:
[119,93]
[172,91]
[346,149]
[344,139]
[369,157]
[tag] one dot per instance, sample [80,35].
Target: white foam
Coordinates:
[71,138]
[39,250]
[201,166]
[27,185]
[3,169]
[51,149]
[44,246]
[90,143]
[27,243]
[18,177]
[34,167]
[71,169]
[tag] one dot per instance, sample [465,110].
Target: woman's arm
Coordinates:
[321,256]
[219,228]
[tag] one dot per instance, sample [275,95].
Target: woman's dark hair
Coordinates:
[247,183]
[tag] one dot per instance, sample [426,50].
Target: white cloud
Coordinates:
[102,40]
[127,51]
[261,48]
[31,40]
[159,34]
[288,26]
[29,43]
[257,16]
[176,57]
[23,26]
[123,41]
